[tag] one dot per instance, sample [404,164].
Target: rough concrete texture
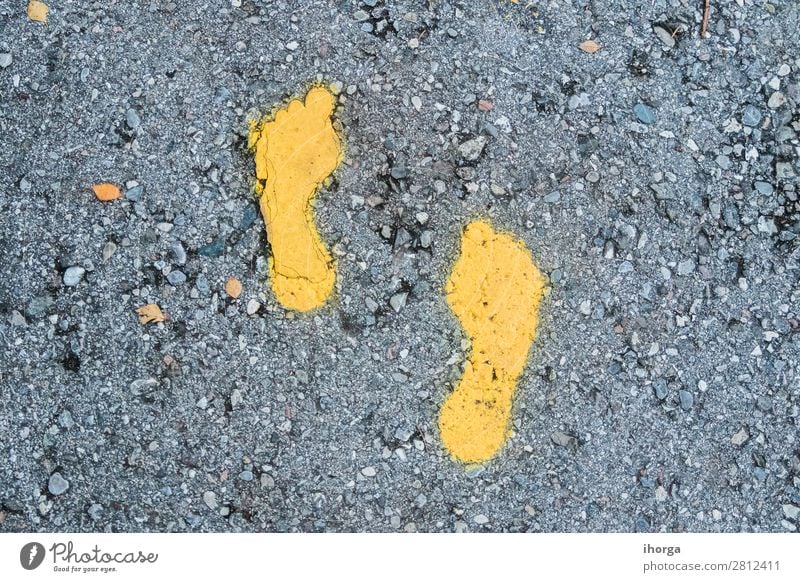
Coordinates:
[655,182]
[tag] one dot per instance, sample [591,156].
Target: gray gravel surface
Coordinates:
[655,182]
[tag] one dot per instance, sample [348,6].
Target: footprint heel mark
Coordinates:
[495,291]
[296,149]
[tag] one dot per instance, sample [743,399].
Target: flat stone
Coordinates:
[253,306]
[472,149]
[397,301]
[751,116]
[132,119]
[210,499]
[645,113]
[776,100]
[425,239]
[399,171]
[686,267]
[134,194]
[236,398]
[784,170]
[660,388]
[73,276]
[177,253]
[57,485]
[763,188]
[213,250]
[791,511]
[740,437]
[664,36]
[687,399]
[369,471]
[176,278]
[562,439]
[108,250]
[5,60]
[95,511]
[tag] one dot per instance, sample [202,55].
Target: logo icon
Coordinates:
[31,555]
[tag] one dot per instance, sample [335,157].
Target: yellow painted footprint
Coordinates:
[495,290]
[295,151]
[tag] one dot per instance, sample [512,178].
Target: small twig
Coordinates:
[704,25]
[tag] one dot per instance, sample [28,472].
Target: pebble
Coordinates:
[5,60]
[253,306]
[236,398]
[202,284]
[246,475]
[665,36]
[686,267]
[132,119]
[660,388]
[95,511]
[248,217]
[402,238]
[425,239]
[776,100]
[176,278]
[210,499]
[108,250]
[791,511]
[73,276]
[134,194]
[57,485]
[214,249]
[403,434]
[687,400]
[178,253]
[480,519]
[65,420]
[764,187]
[369,471]
[472,149]
[751,116]
[399,171]
[562,439]
[398,300]
[645,113]
[740,437]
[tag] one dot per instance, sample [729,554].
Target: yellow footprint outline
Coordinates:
[297,147]
[495,290]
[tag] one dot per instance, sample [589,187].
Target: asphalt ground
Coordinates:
[654,182]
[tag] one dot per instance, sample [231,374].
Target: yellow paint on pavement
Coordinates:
[495,290]
[295,151]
